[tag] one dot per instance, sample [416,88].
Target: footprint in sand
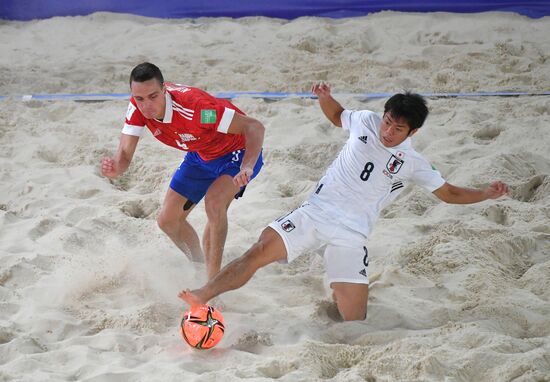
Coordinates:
[277,369]
[253,341]
[534,190]
[328,310]
[486,134]
[6,335]
[42,228]
[290,189]
[498,214]
[48,156]
[139,209]
[25,272]
[86,194]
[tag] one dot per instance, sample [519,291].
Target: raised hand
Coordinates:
[321,89]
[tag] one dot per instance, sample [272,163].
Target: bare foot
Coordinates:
[190,297]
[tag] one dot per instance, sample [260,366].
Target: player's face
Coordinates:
[149,96]
[393,131]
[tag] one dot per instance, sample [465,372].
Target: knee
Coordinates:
[215,208]
[255,253]
[166,222]
[268,249]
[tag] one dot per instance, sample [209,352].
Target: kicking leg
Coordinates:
[269,248]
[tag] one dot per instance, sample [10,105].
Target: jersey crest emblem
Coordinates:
[394,164]
[208,116]
[287,226]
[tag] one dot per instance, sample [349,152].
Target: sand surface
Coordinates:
[88,282]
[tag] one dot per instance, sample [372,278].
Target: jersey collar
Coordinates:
[168,110]
[406,144]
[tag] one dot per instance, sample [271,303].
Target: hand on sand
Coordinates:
[190,298]
[108,168]
[496,190]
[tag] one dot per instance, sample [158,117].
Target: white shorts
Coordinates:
[309,228]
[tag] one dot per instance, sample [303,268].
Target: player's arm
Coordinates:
[113,167]
[331,108]
[253,131]
[461,195]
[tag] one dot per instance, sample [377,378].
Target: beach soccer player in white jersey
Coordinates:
[338,216]
[223,154]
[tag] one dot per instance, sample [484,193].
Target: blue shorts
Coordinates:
[194,175]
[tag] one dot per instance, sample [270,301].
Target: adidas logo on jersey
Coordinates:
[363,272]
[363,139]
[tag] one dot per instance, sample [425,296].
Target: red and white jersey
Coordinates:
[193,121]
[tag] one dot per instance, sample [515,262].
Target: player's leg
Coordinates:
[347,262]
[269,248]
[216,203]
[284,239]
[351,300]
[218,197]
[187,187]
[172,220]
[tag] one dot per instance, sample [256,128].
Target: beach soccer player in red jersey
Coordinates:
[223,154]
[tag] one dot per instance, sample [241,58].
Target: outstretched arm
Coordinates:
[113,167]
[332,109]
[460,195]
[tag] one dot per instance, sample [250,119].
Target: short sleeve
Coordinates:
[355,121]
[212,115]
[134,123]
[426,176]
[349,118]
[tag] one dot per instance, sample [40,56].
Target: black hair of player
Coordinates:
[410,106]
[146,71]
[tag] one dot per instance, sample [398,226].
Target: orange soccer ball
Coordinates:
[202,326]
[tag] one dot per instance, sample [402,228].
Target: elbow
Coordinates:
[336,118]
[260,128]
[255,131]
[447,193]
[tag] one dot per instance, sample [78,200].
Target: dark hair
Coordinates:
[410,106]
[144,72]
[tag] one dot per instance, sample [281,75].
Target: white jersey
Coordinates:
[366,176]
